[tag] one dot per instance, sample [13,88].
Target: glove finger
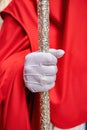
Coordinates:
[39,88]
[39,79]
[41,70]
[57,53]
[40,58]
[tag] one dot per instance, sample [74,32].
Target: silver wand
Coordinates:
[43,39]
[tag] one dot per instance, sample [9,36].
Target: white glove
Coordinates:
[40,70]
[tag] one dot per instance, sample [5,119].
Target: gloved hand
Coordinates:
[40,70]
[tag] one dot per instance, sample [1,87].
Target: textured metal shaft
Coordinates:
[43,39]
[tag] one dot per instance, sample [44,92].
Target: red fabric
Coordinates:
[19,108]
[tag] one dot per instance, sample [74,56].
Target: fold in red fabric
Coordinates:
[19,108]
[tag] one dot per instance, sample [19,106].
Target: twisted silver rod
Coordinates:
[43,40]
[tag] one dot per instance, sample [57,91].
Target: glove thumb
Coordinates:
[57,53]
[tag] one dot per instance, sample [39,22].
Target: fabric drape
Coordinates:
[19,108]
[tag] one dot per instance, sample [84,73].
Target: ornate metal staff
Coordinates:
[43,39]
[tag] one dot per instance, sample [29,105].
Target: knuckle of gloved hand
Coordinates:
[27,57]
[52,59]
[49,58]
[52,79]
[54,70]
[31,87]
[28,69]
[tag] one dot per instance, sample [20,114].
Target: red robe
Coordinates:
[19,108]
